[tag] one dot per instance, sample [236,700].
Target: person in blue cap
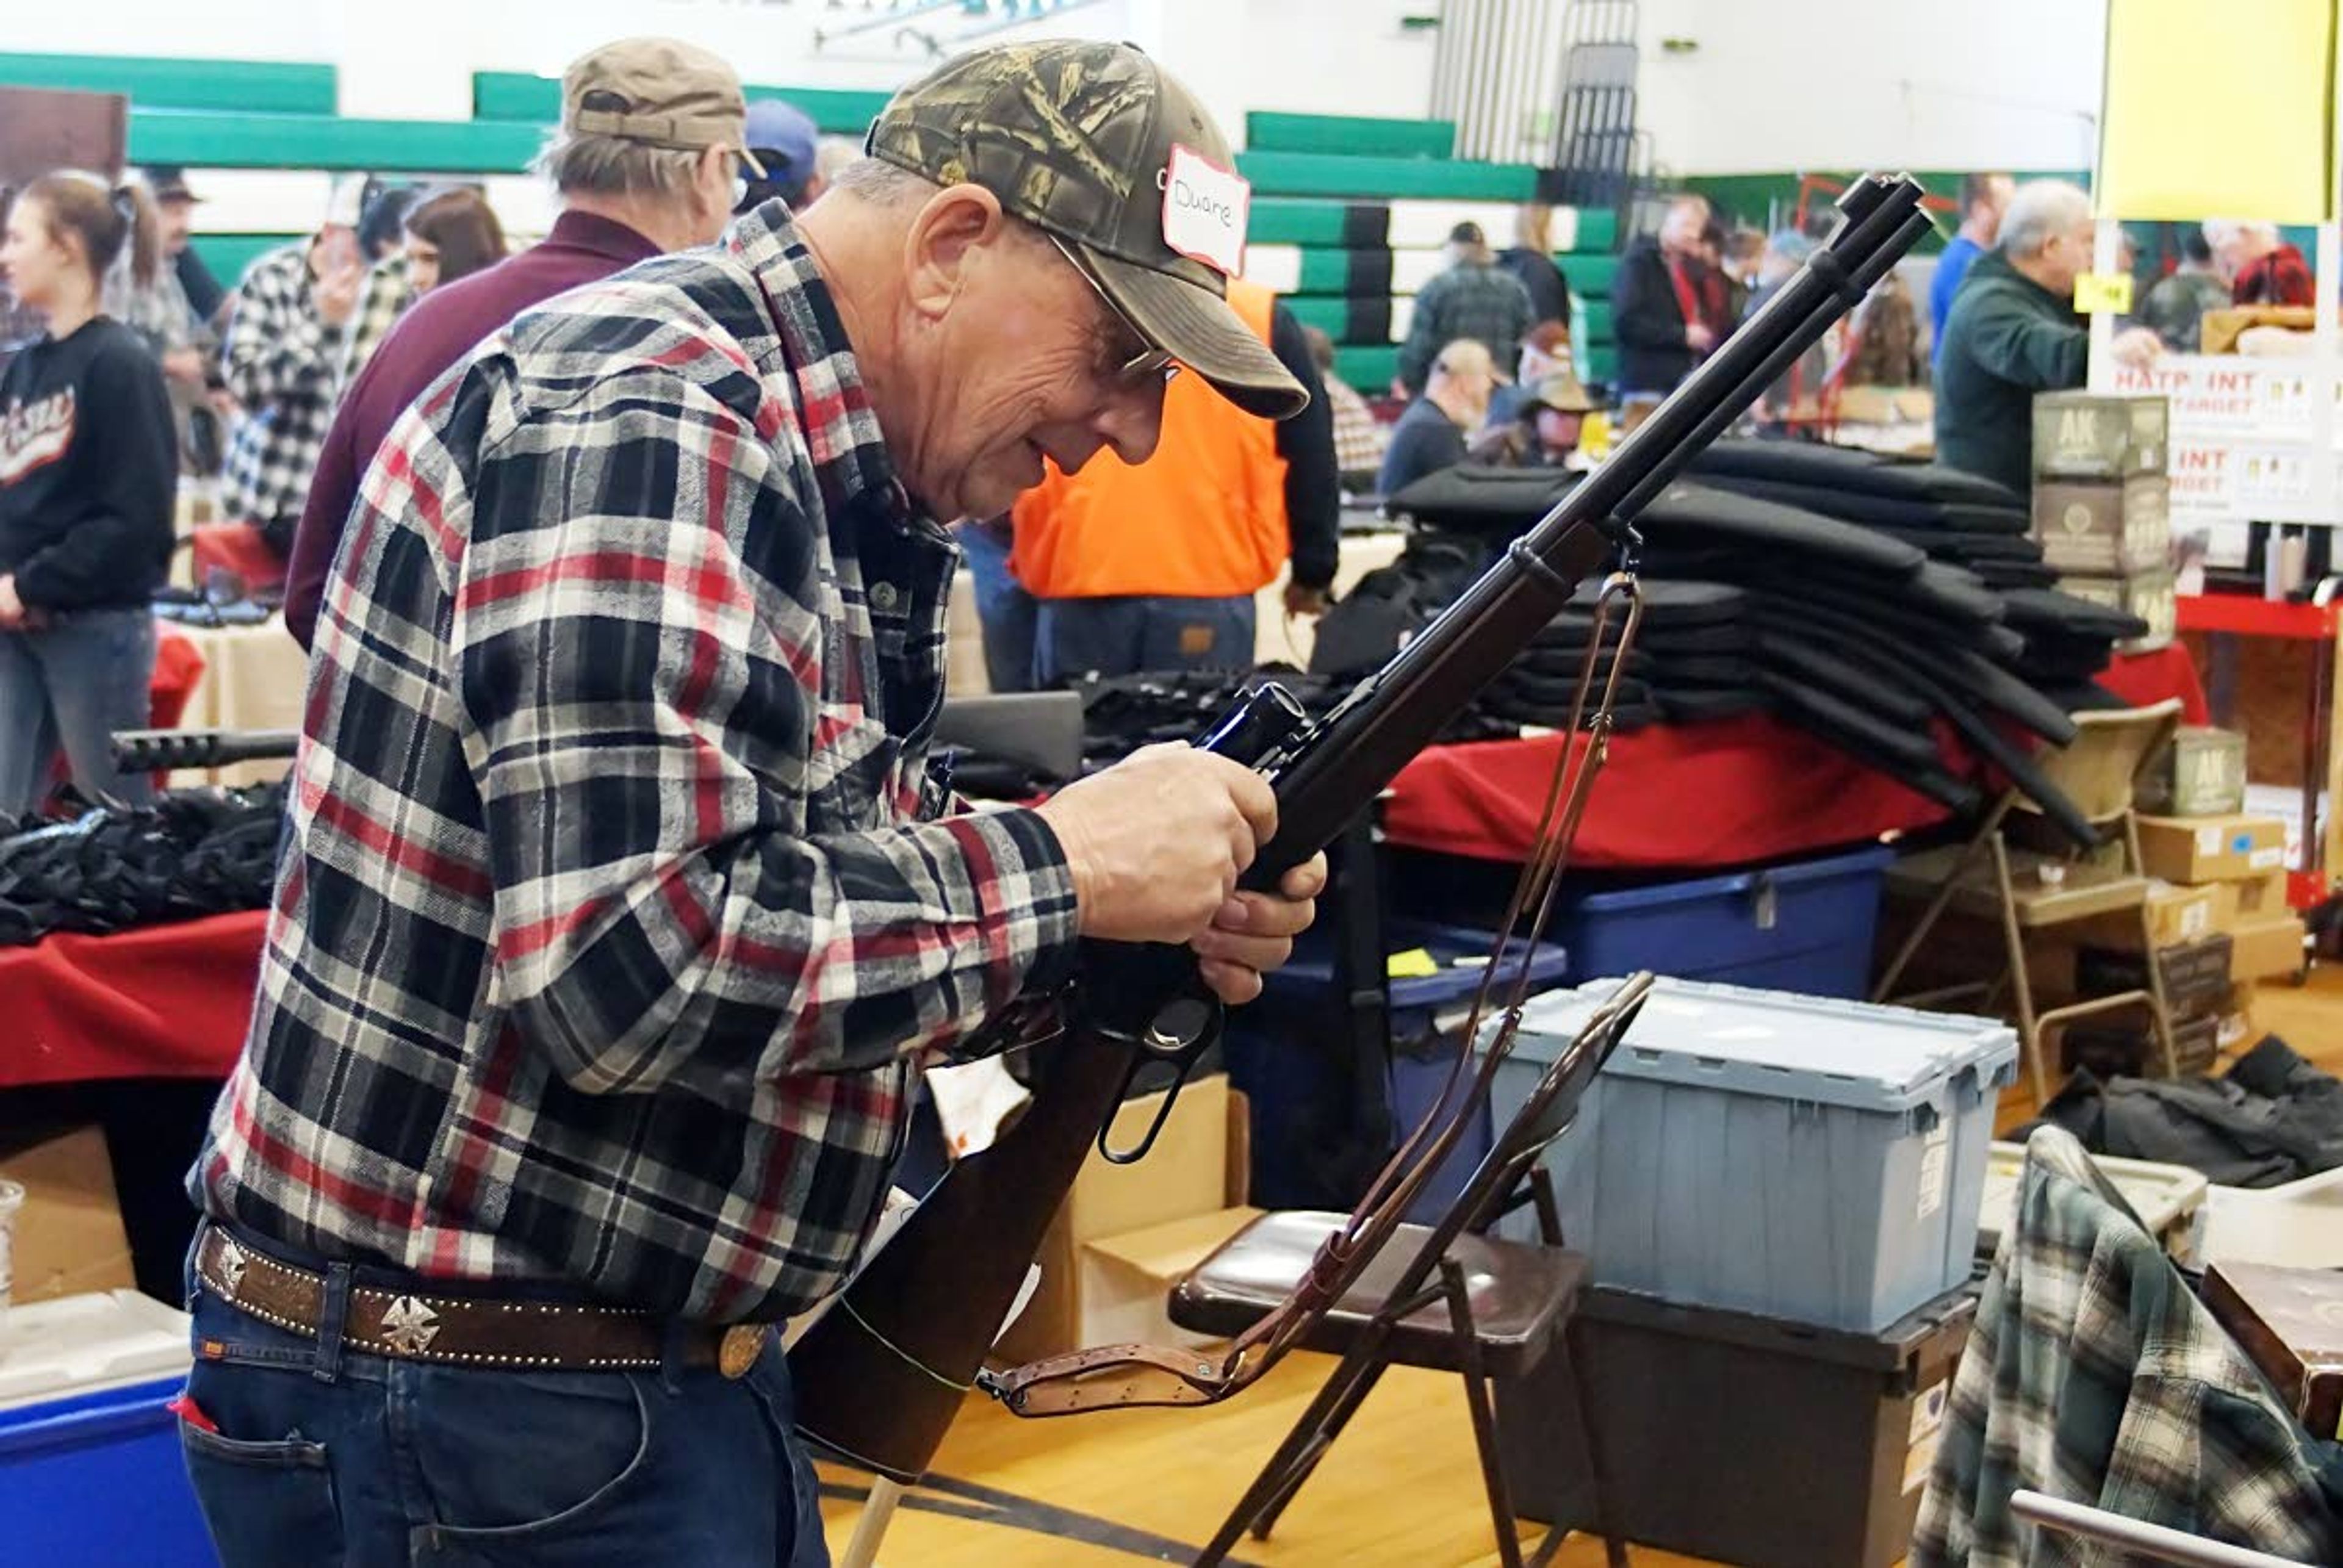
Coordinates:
[785,140]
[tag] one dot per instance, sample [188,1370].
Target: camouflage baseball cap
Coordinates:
[1097,146]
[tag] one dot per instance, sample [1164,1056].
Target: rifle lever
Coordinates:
[1179,1035]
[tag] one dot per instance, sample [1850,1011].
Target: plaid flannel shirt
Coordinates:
[1468,300]
[610,930]
[2093,1376]
[386,296]
[1358,439]
[279,361]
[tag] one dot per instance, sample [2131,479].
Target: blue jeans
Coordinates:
[1003,609]
[72,684]
[1125,635]
[366,1460]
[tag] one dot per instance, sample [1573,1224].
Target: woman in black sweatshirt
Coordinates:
[88,466]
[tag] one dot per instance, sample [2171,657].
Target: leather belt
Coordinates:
[464,1330]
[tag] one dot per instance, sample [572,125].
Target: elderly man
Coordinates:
[617,913]
[1474,298]
[643,162]
[1430,435]
[2263,266]
[2013,333]
[1657,311]
[1983,199]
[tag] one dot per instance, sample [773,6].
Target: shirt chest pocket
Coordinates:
[854,770]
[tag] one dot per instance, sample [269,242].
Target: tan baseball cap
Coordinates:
[1097,146]
[661,92]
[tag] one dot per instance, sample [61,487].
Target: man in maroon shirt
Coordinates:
[653,133]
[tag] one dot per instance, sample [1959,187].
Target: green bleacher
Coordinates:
[1280,220]
[516,96]
[1386,178]
[1323,183]
[221,140]
[1270,132]
[1369,368]
[227,254]
[255,87]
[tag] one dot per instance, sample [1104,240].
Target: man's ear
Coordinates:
[714,183]
[948,239]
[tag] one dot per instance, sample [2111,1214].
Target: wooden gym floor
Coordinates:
[1400,1487]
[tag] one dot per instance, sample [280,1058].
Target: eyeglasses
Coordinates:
[1148,364]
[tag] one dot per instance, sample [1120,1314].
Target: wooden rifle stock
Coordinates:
[881,1376]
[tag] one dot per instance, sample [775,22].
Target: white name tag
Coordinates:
[1204,210]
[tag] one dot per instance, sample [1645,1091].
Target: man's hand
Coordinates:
[1157,841]
[184,366]
[1302,600]
[1698,335]
[12,608]
[2136,347]
[1254,933]
[337,293]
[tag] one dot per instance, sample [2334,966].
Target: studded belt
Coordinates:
[463,1330]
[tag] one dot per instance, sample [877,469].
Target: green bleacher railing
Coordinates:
[523,97]
[263,87]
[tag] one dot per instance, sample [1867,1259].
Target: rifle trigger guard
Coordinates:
[1180,1050]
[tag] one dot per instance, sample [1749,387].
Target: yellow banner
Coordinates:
[2219,111]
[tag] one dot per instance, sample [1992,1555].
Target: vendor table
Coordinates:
[162,1002]
[1725,793]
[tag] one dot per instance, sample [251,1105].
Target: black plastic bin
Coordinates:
[1743,1439]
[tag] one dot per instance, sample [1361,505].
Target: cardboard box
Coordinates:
[1125,1282]
[69,1236]
[2239,1027]
[2251,899]
[2197,849]
[2175,917]
[2202,773]
[1201,1167]
[2110,527]
[2264,950]
[2195,974]
[2147,595]
[2091,436]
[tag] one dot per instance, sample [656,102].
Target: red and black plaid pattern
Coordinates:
[613,923]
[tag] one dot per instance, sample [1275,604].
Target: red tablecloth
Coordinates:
[166,1001]
[178,667]
[1726,793]
[2143,679]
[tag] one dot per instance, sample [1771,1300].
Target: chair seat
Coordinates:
[1519,1292]
[2083,891]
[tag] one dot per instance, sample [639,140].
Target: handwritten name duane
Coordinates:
[1190,198]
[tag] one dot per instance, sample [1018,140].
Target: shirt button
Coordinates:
[882,596]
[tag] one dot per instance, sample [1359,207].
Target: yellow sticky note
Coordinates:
[1413,964]
[2103,293]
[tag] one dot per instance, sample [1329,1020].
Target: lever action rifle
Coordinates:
[880,1376]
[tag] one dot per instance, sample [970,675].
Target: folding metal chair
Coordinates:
[1443,1296]
[1992,878]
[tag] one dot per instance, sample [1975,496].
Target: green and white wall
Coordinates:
[266,101]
